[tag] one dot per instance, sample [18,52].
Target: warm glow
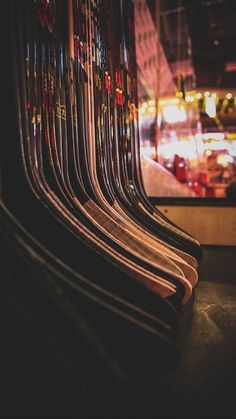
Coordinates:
[151,109]
[174,113]
[174,101]
[220,145]
[198,95]
[233,149]
[214,136]
[189,98]
[210,107]
[147,151]
[229,96]
[207,94]
[169,101]
[186,149]
[231,135]
[224,159]
[159,119]
[198,136]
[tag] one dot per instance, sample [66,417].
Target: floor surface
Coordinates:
[204,383]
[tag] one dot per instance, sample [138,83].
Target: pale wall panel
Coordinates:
[210,225]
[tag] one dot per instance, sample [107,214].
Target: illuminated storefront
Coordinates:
[203,157]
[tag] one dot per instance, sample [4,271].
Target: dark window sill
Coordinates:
[201,202]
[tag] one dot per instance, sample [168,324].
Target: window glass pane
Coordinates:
[189,140]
